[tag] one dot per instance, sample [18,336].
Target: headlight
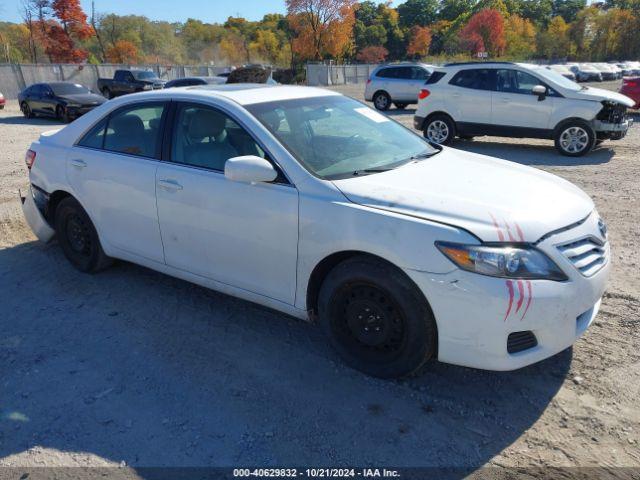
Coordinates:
[147,87]
[504,261]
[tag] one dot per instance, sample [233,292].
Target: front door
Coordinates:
[113,173]
[514,105]
[243,235]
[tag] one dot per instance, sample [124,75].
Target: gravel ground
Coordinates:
[133,366]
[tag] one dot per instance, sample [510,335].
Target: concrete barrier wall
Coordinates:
[14,78]
[318,74]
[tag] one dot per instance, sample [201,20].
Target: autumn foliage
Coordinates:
[485,33]
[373,54]
[122,51]
[419,41]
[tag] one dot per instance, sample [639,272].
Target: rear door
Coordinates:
[112,170]
[514,105]
[471,96]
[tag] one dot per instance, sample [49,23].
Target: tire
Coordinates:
[78,237]
[439,129]
[26,110]
[574,138]
[401,106]
[107,93]
[398,337]
[62,115]
[382,101]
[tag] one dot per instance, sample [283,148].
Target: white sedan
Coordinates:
[311,203]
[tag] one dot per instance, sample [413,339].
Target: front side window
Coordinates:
[515,81]
[477,79]
[337,137]
[135,130]
[206,138]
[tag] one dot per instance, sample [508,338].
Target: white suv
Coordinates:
[518,100]
[396,83]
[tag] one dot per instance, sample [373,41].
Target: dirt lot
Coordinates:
[133,366]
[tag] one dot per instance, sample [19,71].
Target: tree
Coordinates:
[417,12]
[484,33]
[373,54]
[555,42]
[520,37]
[452,9]
[322,27]
[568,9]
[122,51]
[266,46]
[538,11]
[419,41]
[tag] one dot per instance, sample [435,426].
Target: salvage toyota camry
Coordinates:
[311,203]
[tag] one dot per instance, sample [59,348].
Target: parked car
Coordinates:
[193,81]
[62,100]
[129,81]
[585,72]
[396,84]
[2,101]
[519,100]
[631,88]
[605,70]
[313,204]
[563,70]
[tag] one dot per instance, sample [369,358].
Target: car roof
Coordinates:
[250,93]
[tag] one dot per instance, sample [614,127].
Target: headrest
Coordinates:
[127,125]
[206,123]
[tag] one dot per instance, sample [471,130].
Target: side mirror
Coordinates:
[540,91]
[249,169]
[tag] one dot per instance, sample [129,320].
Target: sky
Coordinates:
[209,11]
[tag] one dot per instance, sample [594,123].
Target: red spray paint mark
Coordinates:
[520,234]
[511,238]
[526,309]
[497,227]
[510,288]
[521,295]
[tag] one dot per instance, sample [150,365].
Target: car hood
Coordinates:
[600,94]
[496,200]
[85,98]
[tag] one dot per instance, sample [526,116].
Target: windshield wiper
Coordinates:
[370,170]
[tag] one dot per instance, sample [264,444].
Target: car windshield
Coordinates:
[144,75]
[558,79]
[68,89]
[337,137]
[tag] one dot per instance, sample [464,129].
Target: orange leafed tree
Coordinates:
[72,18]
[485,33]
[122,51]
[419,41]
[322,27]
[373,54]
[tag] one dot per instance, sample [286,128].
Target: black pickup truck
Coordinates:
[129,81]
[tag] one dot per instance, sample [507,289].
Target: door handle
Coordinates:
[78,163]
[170,185]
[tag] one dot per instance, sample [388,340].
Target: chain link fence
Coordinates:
[15,77]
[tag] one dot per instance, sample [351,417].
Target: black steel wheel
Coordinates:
[376,318]
[78,237]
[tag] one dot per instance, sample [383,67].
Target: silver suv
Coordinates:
[396,83]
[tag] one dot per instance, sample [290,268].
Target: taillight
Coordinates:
[30,158]
[424,93]
[630,83]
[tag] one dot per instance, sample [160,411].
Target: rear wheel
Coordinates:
[376,318]
[439,129]
[382,101]
[62,114]
[26,110]
[574,138]
[78,237]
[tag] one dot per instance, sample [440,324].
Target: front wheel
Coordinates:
[26,110]
[78,237]
[439,129]
[376,318]
[62,114]
[382,101]
[574,138]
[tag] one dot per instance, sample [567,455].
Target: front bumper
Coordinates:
[34,217]
[475,314]
[614,131]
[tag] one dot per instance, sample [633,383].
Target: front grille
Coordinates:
[588,254]
[520,341]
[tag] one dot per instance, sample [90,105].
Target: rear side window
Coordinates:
[94,138]
[419,73]
[387,73]
[477,79]
[435,77]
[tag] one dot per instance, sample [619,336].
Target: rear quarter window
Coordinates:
[435,77]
